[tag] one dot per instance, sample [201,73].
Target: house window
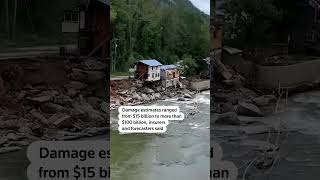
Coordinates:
[317,18]
[152,68]
[75,17]
[71,16]
[158,74]
[152,75]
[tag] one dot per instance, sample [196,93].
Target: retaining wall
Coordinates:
[200,85]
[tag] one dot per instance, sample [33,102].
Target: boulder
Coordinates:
[145,97]
[181,99]
[186,95]
[149,91]
[136,96]
[248,109]
[228,118]
[249,94]
[152,97]
[157,95]
[265,100]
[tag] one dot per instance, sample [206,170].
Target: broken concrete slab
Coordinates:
[149,91]
[93,65]
[72,92]
[86,76]
[229,118]
[52,108]
[62,100]
[186,95]
[94,101]
[248,109]
[258,144]
[76,85]
[59,119]
[3,140]
[12,136]
[40,99]
[157,95]
[9,149]
[104,107]
[36,114]
[264,100]
[19,143]
[224,108]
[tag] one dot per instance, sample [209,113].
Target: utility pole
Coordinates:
[6,9]
[14,20]
[114,59]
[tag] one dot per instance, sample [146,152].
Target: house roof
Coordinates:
[167,67]
[107,2]
[151,62]
[232,50]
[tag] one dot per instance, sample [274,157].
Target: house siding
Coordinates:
[153,73]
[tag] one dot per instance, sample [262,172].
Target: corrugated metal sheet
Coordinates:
[167,67]
[151,62]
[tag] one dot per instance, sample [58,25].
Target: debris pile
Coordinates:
[48,112]
[135,92]
[231,96]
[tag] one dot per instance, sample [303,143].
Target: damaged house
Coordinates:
[169,75]
[148,70]
[90,19]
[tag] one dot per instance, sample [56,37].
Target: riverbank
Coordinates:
[131,92]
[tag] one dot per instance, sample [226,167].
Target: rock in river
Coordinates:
[248,109]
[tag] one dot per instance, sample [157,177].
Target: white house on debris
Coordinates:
[148,70]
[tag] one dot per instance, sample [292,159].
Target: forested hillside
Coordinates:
[166,30]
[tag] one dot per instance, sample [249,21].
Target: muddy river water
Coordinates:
[181,152]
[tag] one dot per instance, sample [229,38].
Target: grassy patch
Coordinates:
[114,74]
[32,40]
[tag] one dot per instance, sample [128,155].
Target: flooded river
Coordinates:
[181,152]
